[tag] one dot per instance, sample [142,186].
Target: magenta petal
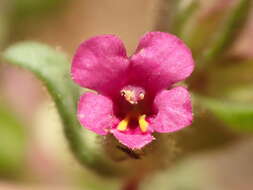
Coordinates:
[100,64]
[174,110]
[133,141]
[161,59]
[95,112]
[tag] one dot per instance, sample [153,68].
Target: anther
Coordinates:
[133,94]
[143,123]
[122,126]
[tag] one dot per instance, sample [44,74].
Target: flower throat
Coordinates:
[133,95]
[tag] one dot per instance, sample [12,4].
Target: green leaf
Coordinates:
[237,115]
[12,143]
[53,69]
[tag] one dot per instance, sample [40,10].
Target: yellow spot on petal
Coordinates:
[122,126]
[143,123]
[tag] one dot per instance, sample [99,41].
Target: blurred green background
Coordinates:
[37,40]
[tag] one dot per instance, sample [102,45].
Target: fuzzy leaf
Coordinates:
[52,68]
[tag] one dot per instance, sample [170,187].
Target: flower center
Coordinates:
[133,95]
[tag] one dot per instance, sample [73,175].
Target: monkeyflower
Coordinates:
[131,99]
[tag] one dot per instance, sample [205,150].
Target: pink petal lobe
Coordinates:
[174,110]
[161,59]
[100,64]
[133,140]
[95,112]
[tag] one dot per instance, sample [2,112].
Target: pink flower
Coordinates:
[131,100]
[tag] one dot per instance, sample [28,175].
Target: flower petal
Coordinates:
[161,59]
[95,112]
[174,110]
[100,64]
[133,140]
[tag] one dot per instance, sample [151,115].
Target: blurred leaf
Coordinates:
[4,22]
[183,15]
[167,11]
[3,30]
[189,174]
[217,26]
[226,76]
[230,27]
[25,8]
[237,115]
[226,168]
[12,143]
[242,94]
[53,68]
[201,26]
